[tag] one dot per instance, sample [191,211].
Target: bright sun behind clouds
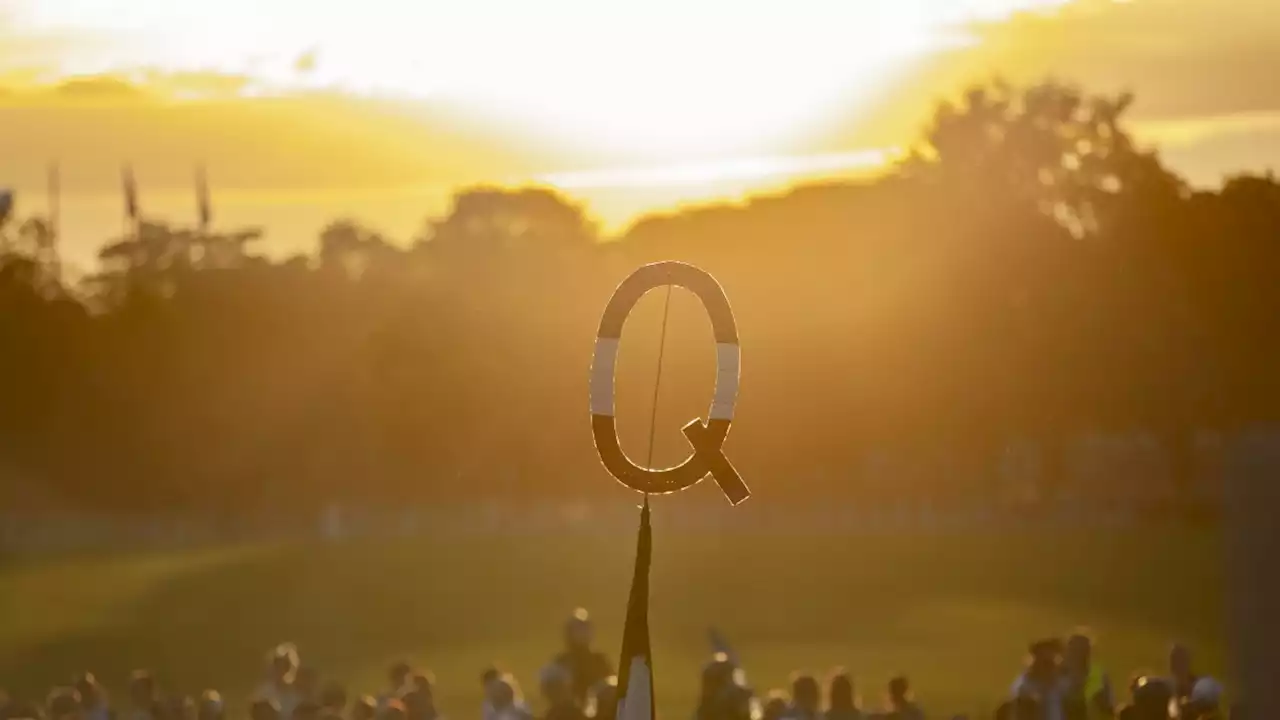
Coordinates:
[657,78]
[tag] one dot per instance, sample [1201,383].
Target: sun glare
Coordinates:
[662,79]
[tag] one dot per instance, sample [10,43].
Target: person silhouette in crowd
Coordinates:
[1020,708]
[775,705]
[420,697]
[1043,680]
[211,706]
[487,678]
[1181,676]
[508,703]
[740,693]
[181,707]
[717,674]
[364,708]
[93,697]
[23,711]
[723,694]
[1149,699]
[1028,708]
[397,678]
[64,703]
[264,708]
[806,698]
[333,698]
[1186,683]
[900,704]
[282,671]
[556,684]
[1089,695]
[604,699]
[424,680]
[842,700]
[306,710]
[720,644]
[393,710]
[586,666]
[1204,701]
[144,696]
[306,684]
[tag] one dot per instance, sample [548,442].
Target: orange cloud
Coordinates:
[165,122]
[1201,70]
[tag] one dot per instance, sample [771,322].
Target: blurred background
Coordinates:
[297,307]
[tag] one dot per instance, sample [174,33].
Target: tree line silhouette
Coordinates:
[1028,271]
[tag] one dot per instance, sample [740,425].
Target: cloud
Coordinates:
[1205,149]
[303,140]
[736,169]
[1183,57]
[33,55]
[1182,132]
[36,86]
[1202,70]
[101,87]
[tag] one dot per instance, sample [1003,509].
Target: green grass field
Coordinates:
[955,611]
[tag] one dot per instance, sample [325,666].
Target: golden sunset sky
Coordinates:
[305,110]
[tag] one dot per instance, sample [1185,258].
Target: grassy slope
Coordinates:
[955,611]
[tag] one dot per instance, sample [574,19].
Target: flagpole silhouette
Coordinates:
[53,198]
[635,680]
[54,209]
[129,223]
[635,666]
[204,208]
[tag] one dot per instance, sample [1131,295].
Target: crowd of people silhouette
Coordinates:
[1061,680]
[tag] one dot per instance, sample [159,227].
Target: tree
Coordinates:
[1048,143]
[1031,272]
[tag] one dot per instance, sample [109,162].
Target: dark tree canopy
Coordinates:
[1029,272]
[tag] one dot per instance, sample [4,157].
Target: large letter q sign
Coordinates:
[707,439]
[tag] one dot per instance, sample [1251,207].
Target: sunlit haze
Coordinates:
[306,111]
[659,76]
[315,405]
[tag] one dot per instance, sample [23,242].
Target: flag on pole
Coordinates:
[54,199]
[130,193]
[635,684]
[203,207]
[6,205]
[721,646]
